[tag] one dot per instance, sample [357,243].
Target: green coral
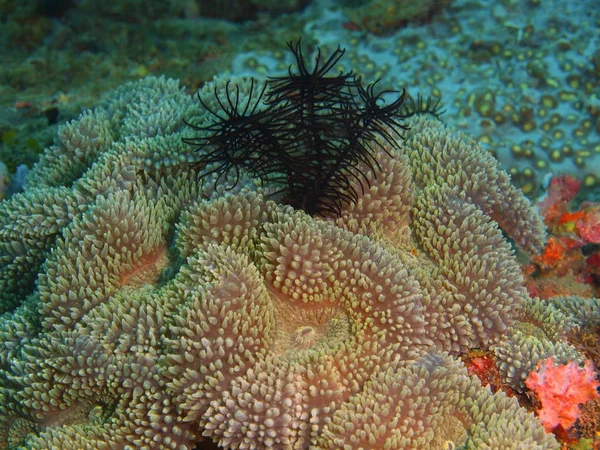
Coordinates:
[147,307]
[23,143]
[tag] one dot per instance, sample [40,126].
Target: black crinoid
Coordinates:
[308,131]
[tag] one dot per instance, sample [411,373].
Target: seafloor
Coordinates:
[522,78]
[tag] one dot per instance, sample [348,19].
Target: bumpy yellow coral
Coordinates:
[167,310]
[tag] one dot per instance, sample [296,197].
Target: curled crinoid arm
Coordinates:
[422,105]
[383,120]
[307,85]
[318,71]
[229,115]
[234,132]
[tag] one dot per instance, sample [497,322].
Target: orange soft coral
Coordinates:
[561,389]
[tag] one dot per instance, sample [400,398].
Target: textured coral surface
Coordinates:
[145,307]
[561,389]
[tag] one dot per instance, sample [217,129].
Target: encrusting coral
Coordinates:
[167,310]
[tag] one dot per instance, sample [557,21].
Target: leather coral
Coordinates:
[168,310]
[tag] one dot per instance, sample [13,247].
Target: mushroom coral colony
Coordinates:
[155,297]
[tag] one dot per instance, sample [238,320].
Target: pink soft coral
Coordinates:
[561,389]
[589,228]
